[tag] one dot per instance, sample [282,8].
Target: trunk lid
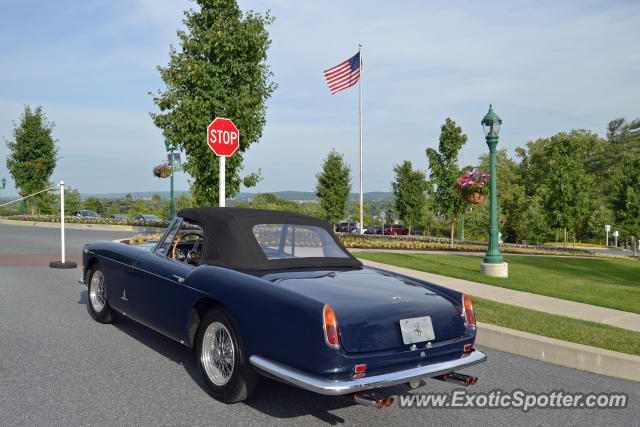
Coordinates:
[369,305]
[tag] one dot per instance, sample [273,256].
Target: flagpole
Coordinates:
[360,86]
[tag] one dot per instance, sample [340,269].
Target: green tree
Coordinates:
[511,194]
[565,194]
[354,212]
[409,190]
[72,200]
[220,71]
[593,151]
[138,207]
[33,156]
[626,197]
[535,223]
[113,209]
[624,139]
[273,202]
[333,187]
[94,204]
[598,218]
[444,172]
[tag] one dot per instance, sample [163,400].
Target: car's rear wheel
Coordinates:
[97,303]
[222,359]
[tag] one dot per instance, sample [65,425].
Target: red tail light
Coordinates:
[468,310]
[331,333]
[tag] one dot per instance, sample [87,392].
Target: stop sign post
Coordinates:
[223,138]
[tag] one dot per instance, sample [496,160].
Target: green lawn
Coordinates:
[613,283]
[560,327]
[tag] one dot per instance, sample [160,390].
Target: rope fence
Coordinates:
[34,194]
[63,263]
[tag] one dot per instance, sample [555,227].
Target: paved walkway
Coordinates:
[576,310]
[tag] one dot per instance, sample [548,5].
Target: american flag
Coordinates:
[343,75]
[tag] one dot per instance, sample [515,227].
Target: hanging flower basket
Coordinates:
[473,187]
[162,170]
[474,198]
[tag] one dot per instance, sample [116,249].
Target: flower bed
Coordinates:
[141,238]
[365,241]
[358,241]
[87,220]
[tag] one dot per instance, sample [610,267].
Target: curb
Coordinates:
[74,226]
[558,352]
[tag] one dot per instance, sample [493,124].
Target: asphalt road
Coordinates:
[59,367]
[16,239]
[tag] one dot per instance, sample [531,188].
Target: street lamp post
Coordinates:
[462,228]
[493,264]
[171,150]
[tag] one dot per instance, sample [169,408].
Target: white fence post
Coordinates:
[62,220]
[63,263]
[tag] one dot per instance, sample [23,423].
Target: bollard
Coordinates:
[63,263]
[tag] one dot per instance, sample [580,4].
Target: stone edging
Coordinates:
[558,352]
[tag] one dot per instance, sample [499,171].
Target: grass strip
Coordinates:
[612,283]
[553,326]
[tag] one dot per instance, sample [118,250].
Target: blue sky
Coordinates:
[545,66]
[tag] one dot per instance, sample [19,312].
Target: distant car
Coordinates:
[118,216]
[395,230]
[145,217]
[85,213]
[347,227]
[376,229]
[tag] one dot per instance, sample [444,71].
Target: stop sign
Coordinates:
[223,137]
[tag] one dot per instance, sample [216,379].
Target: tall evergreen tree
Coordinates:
[333,187]
[444,171]
[409,198]
[220,71]
[33,156]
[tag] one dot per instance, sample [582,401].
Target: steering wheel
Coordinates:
[175,245]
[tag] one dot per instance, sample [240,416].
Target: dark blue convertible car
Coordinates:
[270,293]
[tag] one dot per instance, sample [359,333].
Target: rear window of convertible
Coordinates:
[279,241]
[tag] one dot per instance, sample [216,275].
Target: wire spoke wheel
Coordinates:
[218,353]
[97,291]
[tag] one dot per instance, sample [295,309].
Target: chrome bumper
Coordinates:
[321,385]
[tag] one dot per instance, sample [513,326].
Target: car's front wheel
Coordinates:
[222,360]
[97,301]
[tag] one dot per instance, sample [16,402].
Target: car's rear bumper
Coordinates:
[321,385]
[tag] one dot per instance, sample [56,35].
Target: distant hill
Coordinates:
[370,196]
[135,194]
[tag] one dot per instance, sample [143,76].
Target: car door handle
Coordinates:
[178,278]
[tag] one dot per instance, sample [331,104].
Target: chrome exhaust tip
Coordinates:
[454,377]
[373,399]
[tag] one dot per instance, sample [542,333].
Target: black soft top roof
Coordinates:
[230,242]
